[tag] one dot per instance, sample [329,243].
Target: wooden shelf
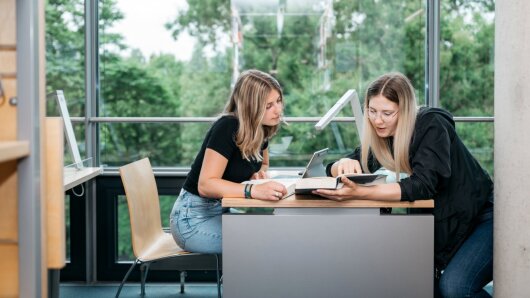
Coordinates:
[8,47]
[10,150]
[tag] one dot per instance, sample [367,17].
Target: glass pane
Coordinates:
[124,246]
[144,68]
[317,49]
[79,131]
[478,137]
[176,58]
[303,139]
[67,221]
[65,54]
[166,204]
[466,57]
[178,144]
[164,144]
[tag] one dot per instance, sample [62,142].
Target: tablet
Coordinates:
[315,167]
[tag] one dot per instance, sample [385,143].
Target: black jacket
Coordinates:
[444,170]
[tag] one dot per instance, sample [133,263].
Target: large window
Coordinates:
[168,65]
[318,49]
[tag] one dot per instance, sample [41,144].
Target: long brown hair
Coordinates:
[397,88]
[248,103]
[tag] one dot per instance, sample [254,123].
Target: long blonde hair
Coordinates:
[248,104]
[397,88]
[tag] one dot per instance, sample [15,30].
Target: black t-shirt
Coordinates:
[221,138]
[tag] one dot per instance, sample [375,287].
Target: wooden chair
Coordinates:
[149,241]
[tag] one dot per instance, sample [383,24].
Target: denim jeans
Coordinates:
[195,223]
[471,268]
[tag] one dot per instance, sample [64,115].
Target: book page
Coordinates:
[317,182]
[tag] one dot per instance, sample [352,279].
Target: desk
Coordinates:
[74,177]
[71,177]
[313,247]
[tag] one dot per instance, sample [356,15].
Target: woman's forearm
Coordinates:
[382,192]
[218,188]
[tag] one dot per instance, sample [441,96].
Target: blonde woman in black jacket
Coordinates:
[423,143]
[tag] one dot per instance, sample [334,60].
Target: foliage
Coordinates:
[130,89]
[65,54]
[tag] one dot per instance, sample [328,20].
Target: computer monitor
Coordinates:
[68,130]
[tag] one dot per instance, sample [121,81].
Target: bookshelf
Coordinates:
[23,168]
[12,150]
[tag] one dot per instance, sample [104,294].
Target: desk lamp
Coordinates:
[349,96]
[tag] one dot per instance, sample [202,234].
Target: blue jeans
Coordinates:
[471,268]
[195,223]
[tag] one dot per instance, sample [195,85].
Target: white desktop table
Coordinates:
[314,247]
[74,177]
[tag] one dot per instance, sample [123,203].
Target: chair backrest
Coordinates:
[144,207]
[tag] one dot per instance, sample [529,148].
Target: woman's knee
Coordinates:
[454,287]
[451,287]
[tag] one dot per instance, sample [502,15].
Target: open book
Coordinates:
[307,185]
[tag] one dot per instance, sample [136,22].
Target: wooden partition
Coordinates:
[10,151]
[55,209]
[23,271]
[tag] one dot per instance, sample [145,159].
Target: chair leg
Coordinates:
[183,275]
[126,276]
[144,269]
[217,256]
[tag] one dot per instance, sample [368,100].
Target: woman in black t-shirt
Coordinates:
[234,150]
[424,144]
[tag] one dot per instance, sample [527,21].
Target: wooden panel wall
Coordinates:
[8,170]
[55,217]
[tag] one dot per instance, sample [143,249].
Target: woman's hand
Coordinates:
[259,175]
[271,191]
[346,166]
[349,191]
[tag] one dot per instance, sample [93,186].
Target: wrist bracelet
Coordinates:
[246,191]
[250,191]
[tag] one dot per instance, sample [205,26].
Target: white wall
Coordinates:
[512,149]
